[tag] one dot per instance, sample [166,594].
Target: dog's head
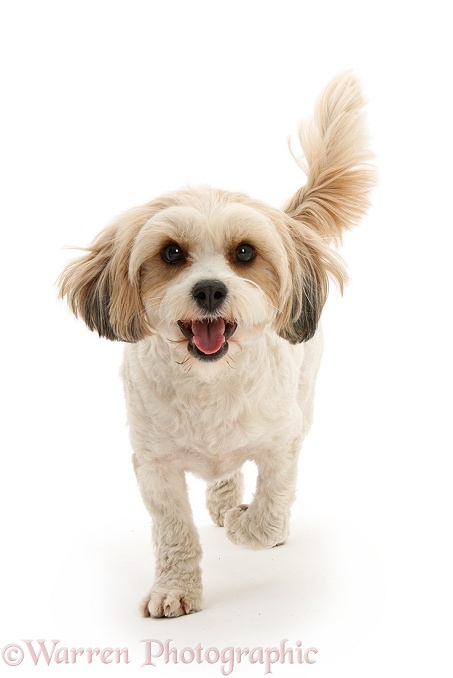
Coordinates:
[206,269]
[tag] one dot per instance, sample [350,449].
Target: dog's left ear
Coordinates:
[311,264]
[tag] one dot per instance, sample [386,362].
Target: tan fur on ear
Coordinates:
[98,287]
[335,145]
[311,263]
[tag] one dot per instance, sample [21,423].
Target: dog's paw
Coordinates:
[243,527]
[172,603]
[222,496]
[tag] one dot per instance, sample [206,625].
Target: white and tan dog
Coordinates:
[218,297]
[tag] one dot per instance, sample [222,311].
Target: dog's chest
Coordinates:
[211,428]
[212,434]
[213,420]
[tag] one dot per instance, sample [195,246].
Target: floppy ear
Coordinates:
[311,264]
[98,287]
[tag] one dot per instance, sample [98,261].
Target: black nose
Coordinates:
[209,294]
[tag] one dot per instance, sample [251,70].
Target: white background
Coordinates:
[104,105]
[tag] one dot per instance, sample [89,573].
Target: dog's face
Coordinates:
[210,282]
[208,271]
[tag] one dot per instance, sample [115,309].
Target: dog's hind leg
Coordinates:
[223,495]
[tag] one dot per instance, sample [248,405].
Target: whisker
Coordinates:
[229,361]
[183,362]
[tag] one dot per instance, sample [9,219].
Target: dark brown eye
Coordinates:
[245,253]
[173,254]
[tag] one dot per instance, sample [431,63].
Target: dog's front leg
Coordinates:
[177,587]
[265,523]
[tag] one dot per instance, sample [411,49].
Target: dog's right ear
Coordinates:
[98,287]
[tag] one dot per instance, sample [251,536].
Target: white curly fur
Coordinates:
[188,412]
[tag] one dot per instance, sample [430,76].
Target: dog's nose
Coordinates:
[209,294]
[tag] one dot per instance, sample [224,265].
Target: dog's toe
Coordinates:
[173,603]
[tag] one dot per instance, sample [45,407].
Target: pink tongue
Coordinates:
[208,336]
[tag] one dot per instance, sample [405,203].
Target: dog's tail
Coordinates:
[335,146]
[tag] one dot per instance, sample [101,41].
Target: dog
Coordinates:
[218,297]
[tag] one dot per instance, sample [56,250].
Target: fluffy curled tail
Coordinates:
[335,146]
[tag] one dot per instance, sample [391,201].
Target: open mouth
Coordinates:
[208,338]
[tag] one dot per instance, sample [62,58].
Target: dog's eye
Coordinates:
[245,253]
[173,254]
